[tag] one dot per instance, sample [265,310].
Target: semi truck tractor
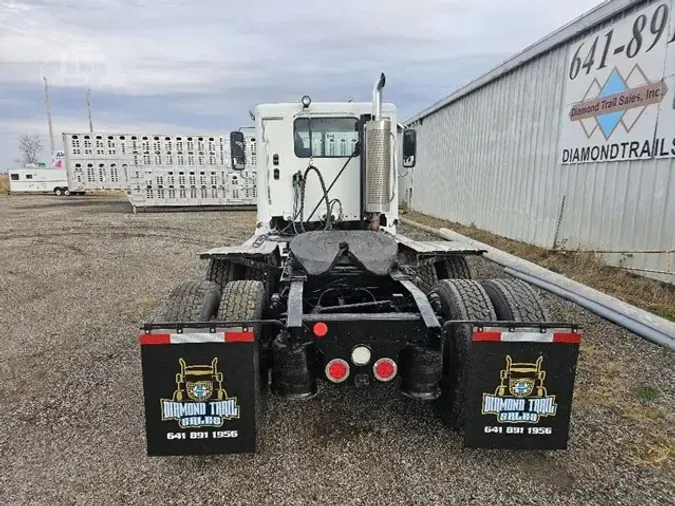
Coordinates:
[326,290]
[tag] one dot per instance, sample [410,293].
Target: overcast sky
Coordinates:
[169,66]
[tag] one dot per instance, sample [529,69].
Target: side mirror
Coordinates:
[237,150]
[409,147]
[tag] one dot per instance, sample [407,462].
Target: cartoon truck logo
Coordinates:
[198,382]
[199,398]
[521,395]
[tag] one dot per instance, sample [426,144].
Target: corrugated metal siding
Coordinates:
[490,159]
[625,207]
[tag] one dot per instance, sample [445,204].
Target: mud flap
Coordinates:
[201,390]
[520,386]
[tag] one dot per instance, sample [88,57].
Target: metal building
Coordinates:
[569,144]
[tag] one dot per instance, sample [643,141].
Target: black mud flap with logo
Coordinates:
[201,391]
[520,386]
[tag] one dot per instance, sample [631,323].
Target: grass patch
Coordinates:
[647,394]
[667,313]
[4,184]
[610,386]
[118,194]
[655,455]
[645,293]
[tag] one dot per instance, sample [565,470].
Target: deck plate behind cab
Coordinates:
[437,248]
[255,247]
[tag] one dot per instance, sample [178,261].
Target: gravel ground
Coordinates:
[77,277]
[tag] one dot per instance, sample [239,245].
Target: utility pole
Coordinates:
[91,125]
[49,117]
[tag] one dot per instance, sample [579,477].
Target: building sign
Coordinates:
[619,91]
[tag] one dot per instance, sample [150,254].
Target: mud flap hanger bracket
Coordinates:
[512,326]
[211,325]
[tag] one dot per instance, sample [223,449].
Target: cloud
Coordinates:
[204,64]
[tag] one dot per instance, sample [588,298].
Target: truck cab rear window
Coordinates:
[325,137]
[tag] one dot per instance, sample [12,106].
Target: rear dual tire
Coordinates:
[515,300]
[427,275]
[458,299]
[247,300]
[202,301]
[242,300]
[453,268]
[222,271]
[190,301]
[487,300]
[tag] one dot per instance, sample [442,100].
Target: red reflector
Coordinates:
[238,337]
[384,369]
[337,370]
[320,329]
[155,339]
[487,336]
[562,337]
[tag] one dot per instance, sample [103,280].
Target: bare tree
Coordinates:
[30,147]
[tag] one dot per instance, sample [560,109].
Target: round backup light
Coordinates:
[360,355]
[306,101]
[384,369]
[337,370]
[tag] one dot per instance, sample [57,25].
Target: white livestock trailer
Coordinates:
[162,171]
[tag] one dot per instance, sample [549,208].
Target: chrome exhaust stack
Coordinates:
[378,155]
[377,97]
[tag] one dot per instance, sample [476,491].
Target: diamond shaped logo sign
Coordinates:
[616,102]
[615,84]
[619,82]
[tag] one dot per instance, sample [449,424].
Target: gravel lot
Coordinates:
[79,274]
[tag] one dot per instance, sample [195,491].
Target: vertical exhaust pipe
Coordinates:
[377,97]
[377,155]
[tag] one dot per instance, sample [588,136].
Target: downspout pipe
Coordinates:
[607,312]
[643,323]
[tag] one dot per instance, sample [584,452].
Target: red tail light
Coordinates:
[320,329]
[337,370]
[385,369]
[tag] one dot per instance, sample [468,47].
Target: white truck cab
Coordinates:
[314,170]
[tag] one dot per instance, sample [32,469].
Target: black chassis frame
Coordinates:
[396,331]
[387,334]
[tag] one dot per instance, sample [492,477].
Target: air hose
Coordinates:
[299,186]
[329,217]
